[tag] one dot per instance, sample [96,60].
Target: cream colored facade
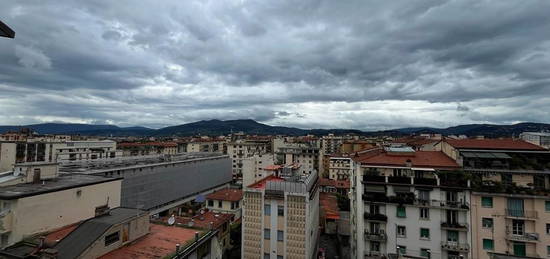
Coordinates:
[239,150]
[42,212]
[340,168]
[127,231]
[206,146]
[253,167]
[511,230]
[226,207]
[281,224]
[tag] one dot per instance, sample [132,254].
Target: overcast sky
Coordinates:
[313,64]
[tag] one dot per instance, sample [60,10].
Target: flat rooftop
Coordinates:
[130,162]
[261,184]
[60,183]
[160,242]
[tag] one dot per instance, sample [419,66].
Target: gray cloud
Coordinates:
[362,64]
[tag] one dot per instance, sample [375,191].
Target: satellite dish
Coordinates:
[171,220]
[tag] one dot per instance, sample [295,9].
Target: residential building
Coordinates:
[211,145]
[226,201]
[281,217]
[12,152]
[241,149]
[510,199]
[34,199]
[351,146]
[212,221]
[340,167]
[334,186]
[538,138]
[419,143]
[304,151]
[253,167]
[409,203]
[148,148]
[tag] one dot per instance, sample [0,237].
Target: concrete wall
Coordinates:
[41,213]
[136,228]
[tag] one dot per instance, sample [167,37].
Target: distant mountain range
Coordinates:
[218,127]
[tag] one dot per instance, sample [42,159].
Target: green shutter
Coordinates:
[401,212]
[519,249]
[547,206]
[488,244]
[487,202]
[425,233]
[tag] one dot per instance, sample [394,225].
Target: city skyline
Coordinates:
[307,64]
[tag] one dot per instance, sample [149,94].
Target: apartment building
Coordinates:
[34,199]
[254,167]
[538,138]
[340,167]
[303,151]
[13,152]
[240,149]
[281,217]
[226,201]
[207,145]
[411,204]
[510,201]
[148,148]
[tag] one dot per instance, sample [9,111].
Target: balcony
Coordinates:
[399,179]
[521,214]
[376,236]
[455,246]
[375,198]
[376,217]
[425,181]
[454,226]
[374,178]
[525,237]
[404,198]
[459,205]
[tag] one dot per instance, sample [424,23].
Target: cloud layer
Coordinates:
[329,64]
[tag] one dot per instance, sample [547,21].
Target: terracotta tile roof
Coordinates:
[498,144]
[340,184]
[226,195]
[60,233]
[204,220]
[329,206]
[431,159]
[161,241]
[360,156]
[273,167]
[262,183]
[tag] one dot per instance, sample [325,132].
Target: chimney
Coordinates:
[177,248]
[196,236]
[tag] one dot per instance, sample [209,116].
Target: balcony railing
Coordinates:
[402,199]
[527,214]
[376,216]
[375,198]
[374,178]
[454,225]
[375,236]
[455,246]
[525,237]
[425,181]
[399,179]
[455,204]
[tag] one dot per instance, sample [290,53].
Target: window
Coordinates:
[267,233]
[424,252]
[279,257]
[487,202]
[518,227]
[401,212]
[547,206]
[375,246]
[267,210]
[401,231]
[424,195]
[280,235]
[210,203]
[548,250]
[452,236]
[219,204]
[266,256]
[487,222]
[402,250]
[280,210]
[111,238]
[548,229]
[425,233]
[424,213]
[374,209]
[488,244]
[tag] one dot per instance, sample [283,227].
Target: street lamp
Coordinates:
[6,31]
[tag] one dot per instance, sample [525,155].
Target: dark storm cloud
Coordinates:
[306,63]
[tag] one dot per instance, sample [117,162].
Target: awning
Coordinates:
[489,155]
